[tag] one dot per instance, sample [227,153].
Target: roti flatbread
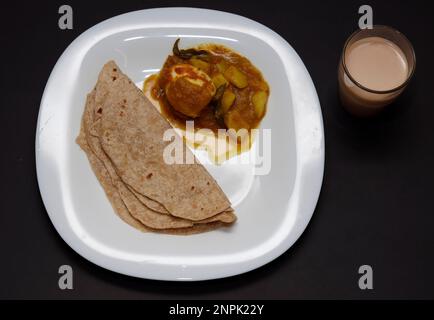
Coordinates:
[120,208]
[137,209]
[141,210]
[131,134]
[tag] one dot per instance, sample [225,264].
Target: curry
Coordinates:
[212,85]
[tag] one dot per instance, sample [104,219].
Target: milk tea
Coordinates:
[374,73]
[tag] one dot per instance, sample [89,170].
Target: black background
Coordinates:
[376,206]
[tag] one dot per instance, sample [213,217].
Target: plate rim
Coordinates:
[310,162]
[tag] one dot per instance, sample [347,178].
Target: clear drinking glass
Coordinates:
[361,99]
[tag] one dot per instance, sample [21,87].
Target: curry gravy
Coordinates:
[219,57]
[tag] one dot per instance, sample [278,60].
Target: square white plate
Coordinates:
[272,209]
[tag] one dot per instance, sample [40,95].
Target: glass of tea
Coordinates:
[376,66]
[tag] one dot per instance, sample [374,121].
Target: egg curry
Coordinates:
[212,85]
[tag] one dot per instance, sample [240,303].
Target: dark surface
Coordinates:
[376,206]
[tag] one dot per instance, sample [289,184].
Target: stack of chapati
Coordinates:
[122,135]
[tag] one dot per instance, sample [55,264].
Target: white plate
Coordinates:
[273,209]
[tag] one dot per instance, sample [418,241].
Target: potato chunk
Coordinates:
[219,80]
[236,77]
[222,66]
[200,64]
[227,101]
[259,100]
